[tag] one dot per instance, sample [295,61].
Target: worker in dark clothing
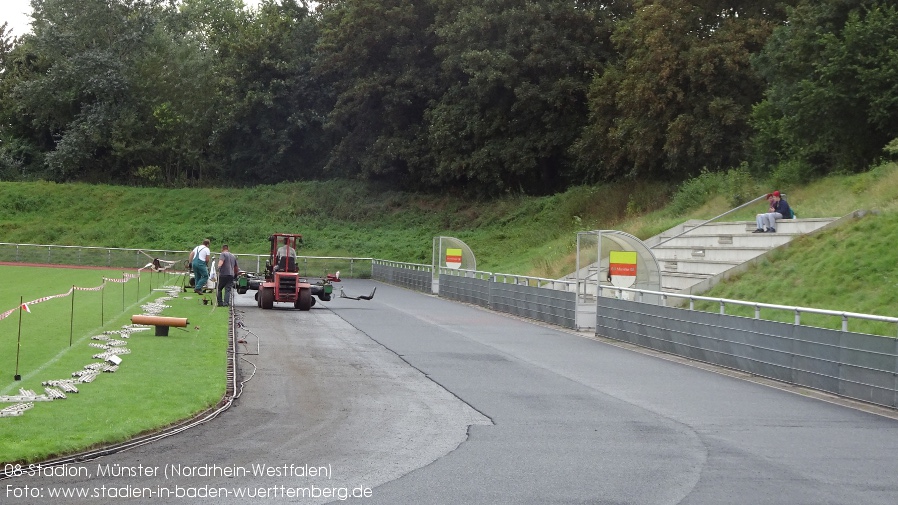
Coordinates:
[227,271]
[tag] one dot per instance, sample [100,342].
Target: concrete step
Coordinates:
[700,267]
[703,240]
[699,259]
[737,227]
[725,253]
[705,255]
[678,282]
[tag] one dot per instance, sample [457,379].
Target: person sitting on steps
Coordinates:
[778,209]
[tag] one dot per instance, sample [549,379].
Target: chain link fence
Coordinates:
[314,266]
[105,257]
[114,257]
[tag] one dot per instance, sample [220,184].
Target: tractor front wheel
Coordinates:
[266,298]
[304,301]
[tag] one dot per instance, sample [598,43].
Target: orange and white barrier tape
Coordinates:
[26,306]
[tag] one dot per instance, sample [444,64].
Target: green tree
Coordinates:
[517,74]
[18,149]
[86,94]
[379,72]
[165,140]
[679,97]
[832,101]
[185,88]
[6,43]
[270,125]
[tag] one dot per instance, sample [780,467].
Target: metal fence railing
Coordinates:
[756,307]
[115,257]
[538,282]
[108,257]
[408,275]
[849,364]
[549,300]
[314,266]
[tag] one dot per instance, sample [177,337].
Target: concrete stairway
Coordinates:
[694,262]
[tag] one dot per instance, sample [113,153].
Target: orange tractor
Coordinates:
[282,280]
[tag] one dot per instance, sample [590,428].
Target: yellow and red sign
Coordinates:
[622,268]
[453,258]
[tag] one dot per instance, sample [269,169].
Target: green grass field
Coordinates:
[162,380]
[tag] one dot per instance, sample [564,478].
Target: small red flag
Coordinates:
[25,308]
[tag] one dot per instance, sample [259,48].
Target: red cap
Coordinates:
[776,194]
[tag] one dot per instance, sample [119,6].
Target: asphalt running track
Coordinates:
[417,400]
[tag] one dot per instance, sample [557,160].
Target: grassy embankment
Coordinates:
[845,269]
[162,380]
[849,268]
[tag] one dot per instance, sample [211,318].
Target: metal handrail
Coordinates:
[758,306]
[173,251]
[746,204]
[537,280]
[165,253]
[516,278]
[90,247]
[464,272]
[353,258]
[305,259]
[417,266]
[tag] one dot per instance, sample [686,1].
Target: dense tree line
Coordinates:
[497,95]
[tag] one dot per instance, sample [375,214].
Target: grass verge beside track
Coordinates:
[163,379]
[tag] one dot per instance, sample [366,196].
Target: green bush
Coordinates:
[892,147]
[791,173]
[740,185]
[694,192]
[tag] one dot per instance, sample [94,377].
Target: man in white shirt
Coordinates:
[284,253]
[200,259]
